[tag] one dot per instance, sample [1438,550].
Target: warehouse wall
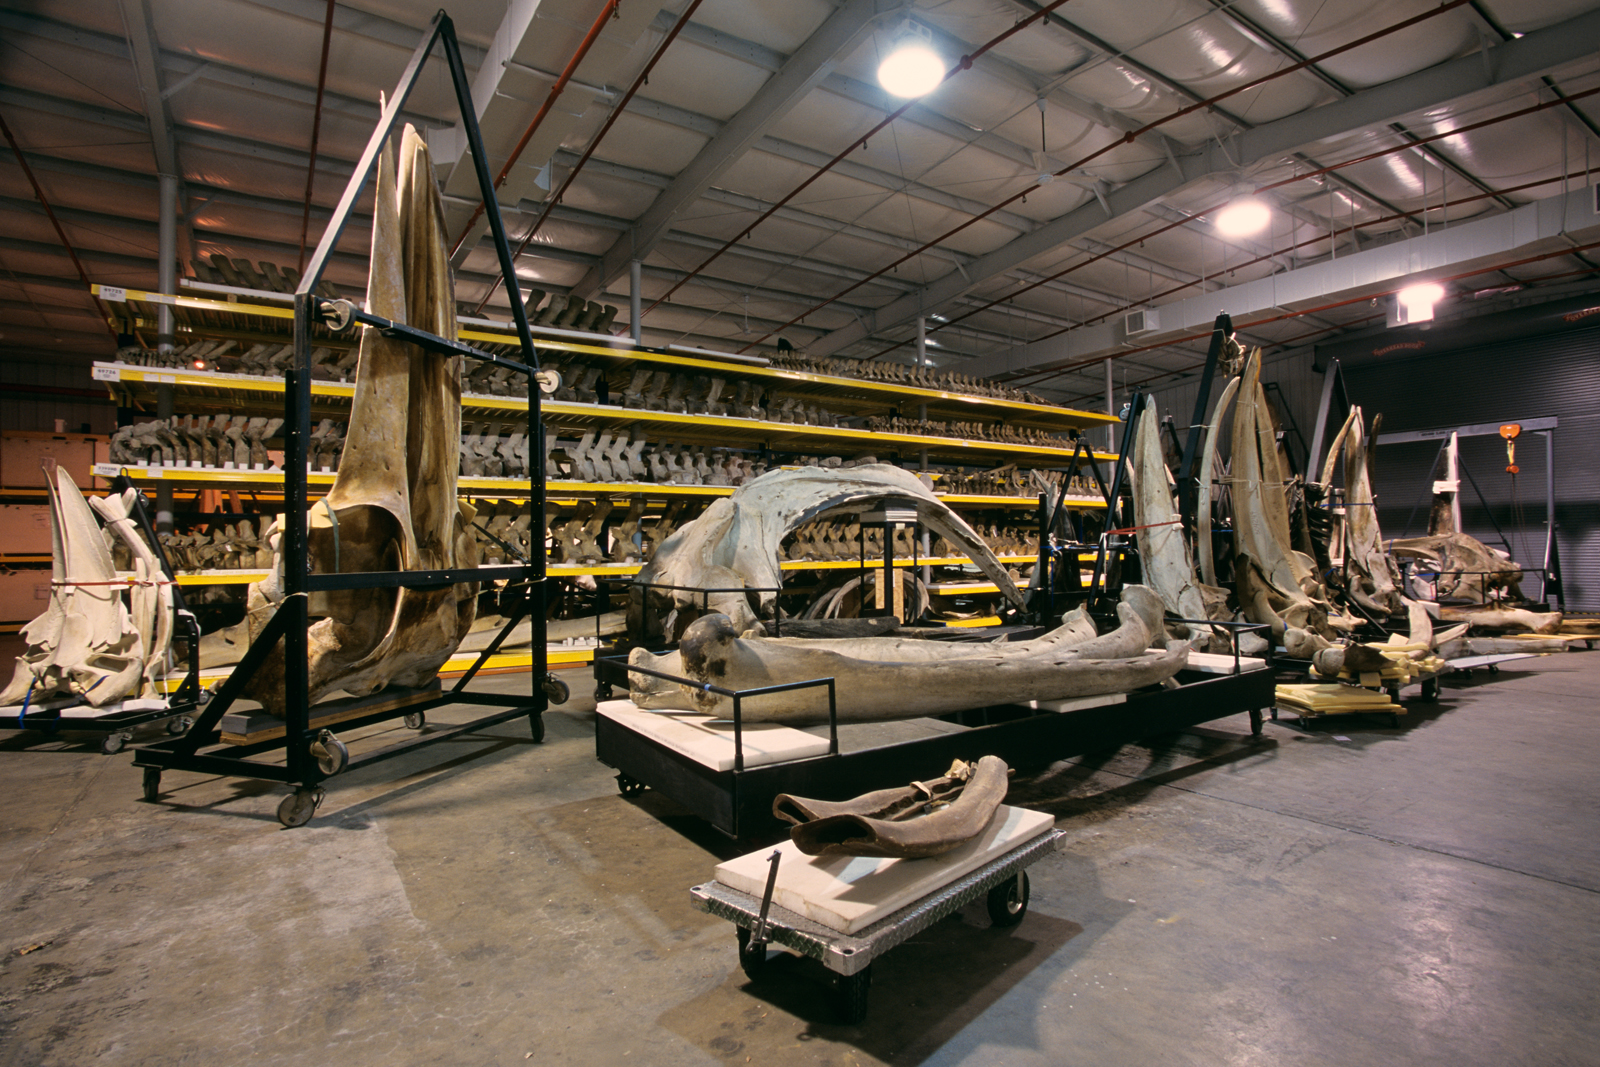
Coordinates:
[36,392]
[1503,381]
[1535,361]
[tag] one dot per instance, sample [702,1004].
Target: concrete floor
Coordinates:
[1356,895]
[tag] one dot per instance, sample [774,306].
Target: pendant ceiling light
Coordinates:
[1243,218]
[912,68]
[1418,300]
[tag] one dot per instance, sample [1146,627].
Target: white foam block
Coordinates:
[709,741]
[1077,703]
[850,893]
[1216,663]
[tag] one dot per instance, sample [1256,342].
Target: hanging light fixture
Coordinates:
[1243,218]
[912,68]
[1416,302]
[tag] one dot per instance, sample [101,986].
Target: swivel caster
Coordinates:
[1255,723]
[603,691]
[415,720]
[113,743]
[330,753]
[152,784]
[556,690]
[628,787]
[851,996]
[298,807]
[179,726]
[1008,901]
[752,956]
[536,726]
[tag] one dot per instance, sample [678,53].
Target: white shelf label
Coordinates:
[107,470]
[111,292]
[106,374]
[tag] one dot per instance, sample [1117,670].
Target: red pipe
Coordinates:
[544,109]
[616,113]
[964,63]
[105,314]
[1247,263]
[1127,138]
[316,132]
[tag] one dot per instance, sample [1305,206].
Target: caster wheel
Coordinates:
[113,744]
[852,995]
[1274,714]
[536,725]
[415,720]
[752,957]
[330,754]
[152,784]
[556,690]
[1255,722]
[1008,901]
[603,691]
[628,787]
[1430,690]
[298,807]
[179,726]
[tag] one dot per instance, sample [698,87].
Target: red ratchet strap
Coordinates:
[119,581]
[1146,526]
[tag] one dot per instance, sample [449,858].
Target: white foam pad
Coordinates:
[1215,663]
[709,741]
[1077,703]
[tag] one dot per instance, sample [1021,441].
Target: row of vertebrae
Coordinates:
[612,457]
[234,546]
[232,357]
[1002,541]
[485,454]
[574,314]
[824,540]
[971,431]
[220,442]
[270,278]
[585,536]
[902,374]
[1011,481]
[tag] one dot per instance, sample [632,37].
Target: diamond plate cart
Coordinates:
[1003,882]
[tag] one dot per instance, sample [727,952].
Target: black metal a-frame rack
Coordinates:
[312,755]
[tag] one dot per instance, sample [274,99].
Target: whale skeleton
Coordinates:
[735,543]
[883,678]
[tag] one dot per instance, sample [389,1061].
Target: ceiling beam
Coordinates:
[1551,225]
[1515,62]
[814,60]
[184,70]
[146,68]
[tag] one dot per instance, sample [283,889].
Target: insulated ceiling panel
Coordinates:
[1164,110]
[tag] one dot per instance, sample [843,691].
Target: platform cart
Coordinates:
[1002,882]
[118,721]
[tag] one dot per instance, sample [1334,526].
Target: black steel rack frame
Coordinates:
[312,755]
